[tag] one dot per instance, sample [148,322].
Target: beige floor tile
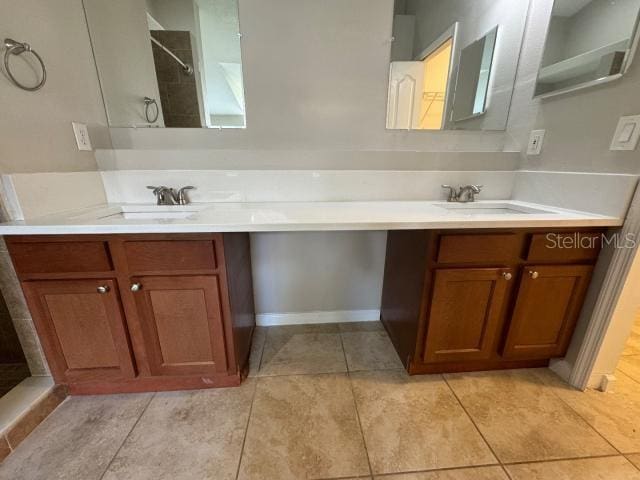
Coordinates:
[361,327]
[302,349]
[606,468]
[257,346]
[615,415]
[369,350]
[303,426]
[187,435]
[474,473]
[415,423]
[77,441]
[630,350]
[635,459]
[630,366]
[632,347]
[522,419]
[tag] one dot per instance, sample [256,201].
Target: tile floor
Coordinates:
[332,402]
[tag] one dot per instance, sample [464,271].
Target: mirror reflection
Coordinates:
[588,41]
[453,63]
[168,63]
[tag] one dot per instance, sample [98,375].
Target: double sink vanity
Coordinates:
[130,298]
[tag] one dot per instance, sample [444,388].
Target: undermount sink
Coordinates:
[155,212]
[491,209]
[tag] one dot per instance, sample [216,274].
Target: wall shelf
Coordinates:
[580,64]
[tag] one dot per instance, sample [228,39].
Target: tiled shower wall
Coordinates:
[178,91]
[20,314]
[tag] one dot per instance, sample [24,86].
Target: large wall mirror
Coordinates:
[588,42]
[453,63]
[168,63]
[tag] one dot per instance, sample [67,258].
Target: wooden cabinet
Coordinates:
[82,329]
[546,310]
[466,311]
[181,318]
[485,299]
[133,313]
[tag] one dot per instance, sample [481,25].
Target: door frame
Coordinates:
[451,32]
[602,299]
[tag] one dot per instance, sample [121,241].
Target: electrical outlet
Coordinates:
[536,139]
[627,133]
[82,136]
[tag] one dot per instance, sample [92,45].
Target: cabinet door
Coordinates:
[82,329]
[182,321]
[465,314]
[546,310]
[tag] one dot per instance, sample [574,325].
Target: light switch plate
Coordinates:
[82,136]
[627,133]
[536,139]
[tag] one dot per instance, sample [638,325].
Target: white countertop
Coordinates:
[306,216]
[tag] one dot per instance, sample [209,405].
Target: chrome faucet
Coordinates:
[464,194]
[182,197]
[168,196]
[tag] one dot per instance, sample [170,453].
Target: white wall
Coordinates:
[579,125]
[600,23]
[316,78]
[579,129]
[307,272]
[476,18]
[222,61]
[35,127]
[122,46]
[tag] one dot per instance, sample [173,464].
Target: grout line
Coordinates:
[397,369]
[355,407]
[264,344]
[246,428]
[618,369]
[471,419]
[437,470]
[565,459]
[506,472]
[628,460]
[626,375]
[128,435]
[552,390]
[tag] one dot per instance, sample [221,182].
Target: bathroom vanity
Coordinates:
[154,298]
[131,313]
[460,300]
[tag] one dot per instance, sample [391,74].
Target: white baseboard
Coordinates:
[335,316]
[562,368]
[602,381]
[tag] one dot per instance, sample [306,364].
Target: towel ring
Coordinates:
[147,107]
[17,48]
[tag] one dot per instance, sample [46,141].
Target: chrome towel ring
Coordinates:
[18,48]
[151,118]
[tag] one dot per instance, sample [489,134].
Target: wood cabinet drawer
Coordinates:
[564,246]
[170,255]
[479,248]
[60,257]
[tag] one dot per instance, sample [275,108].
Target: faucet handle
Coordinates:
[183,199]
[453,195]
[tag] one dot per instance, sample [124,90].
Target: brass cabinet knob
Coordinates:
[507,276]
[103,289]
[136,287]
[533,274]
